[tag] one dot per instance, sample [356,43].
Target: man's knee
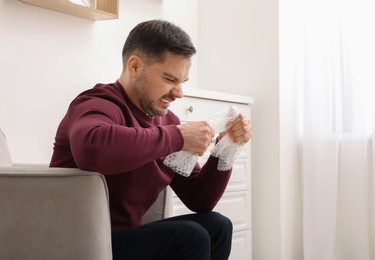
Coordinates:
[195,242]
[221,221]
[193,231]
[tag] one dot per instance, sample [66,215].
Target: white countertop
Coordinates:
[215,95]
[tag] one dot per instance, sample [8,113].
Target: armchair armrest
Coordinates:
[53,213]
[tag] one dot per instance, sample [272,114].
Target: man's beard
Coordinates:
[146,103]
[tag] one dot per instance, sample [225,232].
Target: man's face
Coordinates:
[161,83]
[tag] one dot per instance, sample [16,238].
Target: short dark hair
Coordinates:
[156,37]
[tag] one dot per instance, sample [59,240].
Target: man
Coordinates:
[124,130]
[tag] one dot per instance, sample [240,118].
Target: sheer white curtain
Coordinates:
[335,77]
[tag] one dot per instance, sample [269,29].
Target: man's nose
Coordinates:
[177,91]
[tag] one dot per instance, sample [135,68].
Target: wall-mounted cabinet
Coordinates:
[94,9]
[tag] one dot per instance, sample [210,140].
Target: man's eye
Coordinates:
[170,80]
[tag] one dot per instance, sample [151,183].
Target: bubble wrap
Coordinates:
[181,162]
[226,150]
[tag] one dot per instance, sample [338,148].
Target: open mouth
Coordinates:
[165,102]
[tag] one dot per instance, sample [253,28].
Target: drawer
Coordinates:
[193,109]
[241,246]
[240,179]
[235,205]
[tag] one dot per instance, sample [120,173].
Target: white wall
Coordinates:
[239,53]
[48,57]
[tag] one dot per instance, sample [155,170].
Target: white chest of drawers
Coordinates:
[197,105]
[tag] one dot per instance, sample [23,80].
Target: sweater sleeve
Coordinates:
[101,142]
[203,189]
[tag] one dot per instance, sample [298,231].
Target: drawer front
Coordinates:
[241,246]
[237,207]
[234,205]
[193,109]
[240,178]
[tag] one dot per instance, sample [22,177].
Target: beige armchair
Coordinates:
[55,213]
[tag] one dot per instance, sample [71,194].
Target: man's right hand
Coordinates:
[197,136]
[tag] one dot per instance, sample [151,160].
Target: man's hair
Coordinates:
[152,39]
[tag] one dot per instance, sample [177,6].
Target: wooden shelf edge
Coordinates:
[68,7]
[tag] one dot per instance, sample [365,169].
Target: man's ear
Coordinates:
[135,65]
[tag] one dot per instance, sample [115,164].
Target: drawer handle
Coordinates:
[190,109]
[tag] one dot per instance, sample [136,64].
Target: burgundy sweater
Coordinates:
[104,131]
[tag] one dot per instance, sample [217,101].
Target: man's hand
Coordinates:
[239,130]
[197,136]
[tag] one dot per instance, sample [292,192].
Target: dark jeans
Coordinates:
[195,236]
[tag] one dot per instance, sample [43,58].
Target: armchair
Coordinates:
[55,213]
